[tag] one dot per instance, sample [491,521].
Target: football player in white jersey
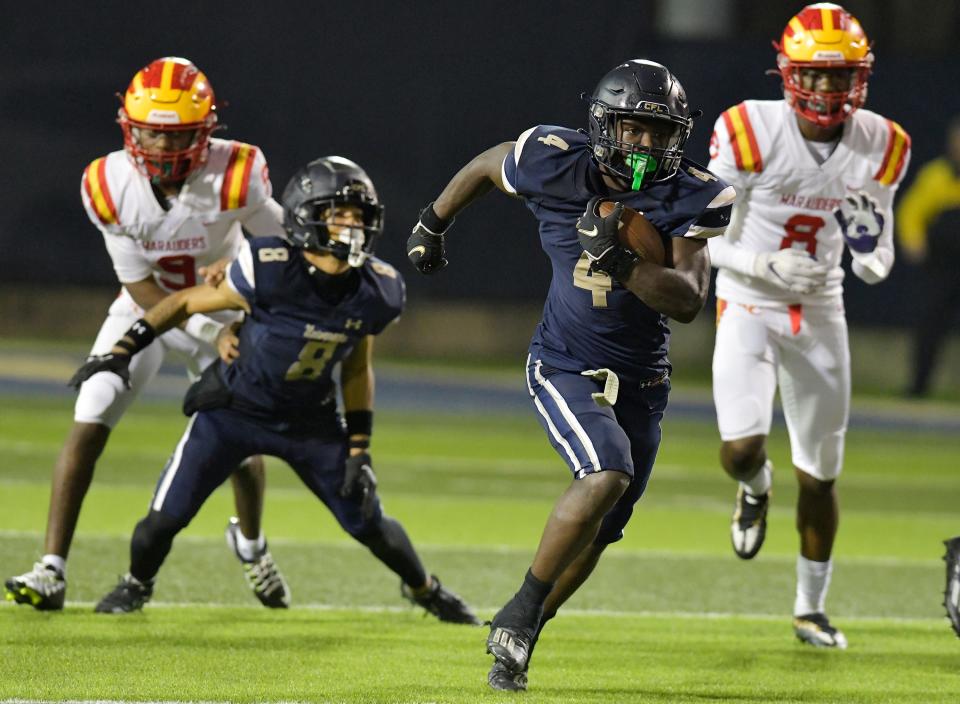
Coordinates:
[815,174]
[170,203]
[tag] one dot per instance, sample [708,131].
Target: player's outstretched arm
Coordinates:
[170,311]
[678,293]
[356,380]
[425,247]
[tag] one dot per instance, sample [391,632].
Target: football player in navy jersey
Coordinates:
[597,370]
[312,301]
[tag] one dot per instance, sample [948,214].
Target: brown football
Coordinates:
[638,234]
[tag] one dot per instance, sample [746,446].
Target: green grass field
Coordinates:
[670,615]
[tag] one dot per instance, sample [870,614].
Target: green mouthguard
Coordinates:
[642,164]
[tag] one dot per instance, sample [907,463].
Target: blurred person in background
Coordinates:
[171,202]
[815,174]
[928,226]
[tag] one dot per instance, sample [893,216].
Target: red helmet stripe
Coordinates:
[153,75]
[95,185]
[840,19]
[177,77]
[895,156]
[236,178]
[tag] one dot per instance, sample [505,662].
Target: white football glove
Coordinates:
[791,269]
[861,222]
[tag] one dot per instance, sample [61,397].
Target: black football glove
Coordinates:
[425,244]
[119,364]
[600,240]
[360,481]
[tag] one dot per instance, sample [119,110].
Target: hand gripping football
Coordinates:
[638,234]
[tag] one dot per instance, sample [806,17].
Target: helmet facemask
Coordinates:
[636,164]
[166,164]
[824,108]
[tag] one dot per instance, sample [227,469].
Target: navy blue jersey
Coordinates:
[293,338]
[589,320]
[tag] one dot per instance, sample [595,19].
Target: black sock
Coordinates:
[533,591]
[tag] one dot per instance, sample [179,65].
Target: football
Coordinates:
[638,234]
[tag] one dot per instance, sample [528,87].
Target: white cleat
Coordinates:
[816,630]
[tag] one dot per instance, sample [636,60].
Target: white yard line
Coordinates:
[613,553]
[590,613]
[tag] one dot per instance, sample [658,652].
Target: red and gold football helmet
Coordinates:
[167,117]
[827,37]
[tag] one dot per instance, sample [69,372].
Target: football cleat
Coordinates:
[262,574]
[816,630]
[128,596]
[44,588]
[749,525]
[510,646]
[503,680]
[442,603]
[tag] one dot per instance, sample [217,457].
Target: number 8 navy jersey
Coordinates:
[590,320]
[293,338]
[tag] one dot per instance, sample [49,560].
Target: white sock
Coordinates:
[250,549]
[813,580]
[57,562]
[761,481]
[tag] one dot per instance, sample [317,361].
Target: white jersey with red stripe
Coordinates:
[201,225]
[786,198]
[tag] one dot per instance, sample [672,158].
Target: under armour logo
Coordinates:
[352,324]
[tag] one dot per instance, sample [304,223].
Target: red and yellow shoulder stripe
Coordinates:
[898,146]
[95,186]
[236,178]
[743,139]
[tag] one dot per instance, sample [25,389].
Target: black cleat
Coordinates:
[749,525]
[442,603]
[128,596]
[43,588]
[262,574]
[816,630]
[503,680]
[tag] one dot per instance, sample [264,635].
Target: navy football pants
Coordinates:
[591,438]
[216,441]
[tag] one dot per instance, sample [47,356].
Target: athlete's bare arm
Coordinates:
[678,293]
[146,293]
[472,181]
[177,307]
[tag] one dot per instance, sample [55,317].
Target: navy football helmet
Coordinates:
[640,90]
[311,195]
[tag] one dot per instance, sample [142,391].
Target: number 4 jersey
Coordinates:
[198,227]
[786,195]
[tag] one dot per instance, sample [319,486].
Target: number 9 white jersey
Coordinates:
[785,198]
[202,224]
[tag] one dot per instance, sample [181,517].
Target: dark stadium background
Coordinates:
[410,90]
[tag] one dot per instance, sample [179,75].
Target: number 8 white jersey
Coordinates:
[202,224]
[785,198]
